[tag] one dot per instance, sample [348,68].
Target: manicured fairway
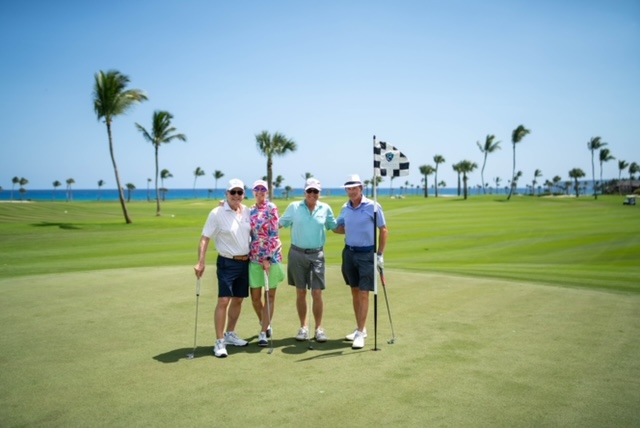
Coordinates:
[506,314]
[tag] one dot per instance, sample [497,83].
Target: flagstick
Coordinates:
[375,258]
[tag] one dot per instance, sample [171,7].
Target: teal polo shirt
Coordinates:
[308,229]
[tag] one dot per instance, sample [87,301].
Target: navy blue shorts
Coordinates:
[357,269]
[233,277]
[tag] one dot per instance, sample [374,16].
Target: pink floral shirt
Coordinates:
[265,240]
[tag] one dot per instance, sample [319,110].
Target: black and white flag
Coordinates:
[388,161]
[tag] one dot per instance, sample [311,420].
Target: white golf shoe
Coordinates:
[358,340]
[231,338]
[220,350]
[303,334]
[352,336]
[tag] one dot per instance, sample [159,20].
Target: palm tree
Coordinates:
[23,182]
[111,99]
[391,178]
[438,159]
[576,173]
[70,181]
[365,186]
[605,156]
[516,136]
[536,174]
[130,188]
[594,144]
[426,170]
[217,175]
[14,181]
[56,184]
[549,185]
[148,193]
[489,147]
[287,191]
[278,182]
[622,165]
[100,184]
[456,168]
[497,180]
[161,132]
[308,175]
[270,146]
[634,168]
[164,174]
[465,168]
[199,172]
[556,181]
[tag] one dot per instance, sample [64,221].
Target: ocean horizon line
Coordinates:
[62,195]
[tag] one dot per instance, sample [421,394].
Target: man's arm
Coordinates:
[382,239]
[202,255]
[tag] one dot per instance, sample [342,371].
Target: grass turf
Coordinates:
[97,318]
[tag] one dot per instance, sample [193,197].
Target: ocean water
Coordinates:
[60,195]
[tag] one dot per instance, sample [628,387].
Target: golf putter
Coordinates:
[310,309]
[386,299]
[266,291]
[192,355]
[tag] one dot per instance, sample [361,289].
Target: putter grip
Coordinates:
[198,287]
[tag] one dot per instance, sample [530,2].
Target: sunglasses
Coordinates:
[314,191]
[259,189]
[236,192]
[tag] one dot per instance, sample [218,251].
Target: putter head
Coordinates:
[391,341]
[190,356]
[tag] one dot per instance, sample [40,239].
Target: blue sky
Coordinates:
[430,77]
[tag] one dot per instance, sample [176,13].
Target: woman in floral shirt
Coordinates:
[265,256]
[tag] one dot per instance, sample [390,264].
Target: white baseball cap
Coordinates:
[235,184]
[312,183]
[260,183]
[353,180]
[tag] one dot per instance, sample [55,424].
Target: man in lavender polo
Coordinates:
[356,221]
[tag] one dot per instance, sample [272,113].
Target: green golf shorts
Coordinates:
[256,275]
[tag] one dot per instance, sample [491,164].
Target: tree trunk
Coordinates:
[157,195]
[127,219]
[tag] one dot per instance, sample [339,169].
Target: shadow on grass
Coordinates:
[290,346]
[69,226]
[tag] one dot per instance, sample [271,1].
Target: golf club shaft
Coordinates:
[310,308]
[386,299]
[266,293]
[195,333]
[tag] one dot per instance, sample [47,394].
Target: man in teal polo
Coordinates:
[309,220]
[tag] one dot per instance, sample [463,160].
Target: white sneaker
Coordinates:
[358,341]
[220,350]
[231,338]
[303,334]
[321,336]
[262,339]
[268,329]
[353,335]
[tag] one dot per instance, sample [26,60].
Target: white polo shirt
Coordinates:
[231,231]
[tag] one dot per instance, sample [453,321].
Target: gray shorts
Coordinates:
[304,267]
[357,269]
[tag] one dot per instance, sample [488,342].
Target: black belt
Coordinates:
[367,249]
[240,258]
[306,250]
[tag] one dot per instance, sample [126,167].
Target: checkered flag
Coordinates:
[388,161]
